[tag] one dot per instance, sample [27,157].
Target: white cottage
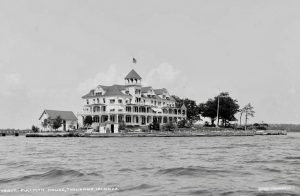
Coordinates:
[69,120]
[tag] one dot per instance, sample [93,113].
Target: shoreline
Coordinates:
[221,133]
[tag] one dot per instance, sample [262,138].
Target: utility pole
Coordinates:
[218,108]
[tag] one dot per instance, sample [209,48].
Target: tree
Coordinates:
[249,112]
[209,109]
[228,107]
[45,123]
[57,122]
[88,120]
[242,111]
[35,129]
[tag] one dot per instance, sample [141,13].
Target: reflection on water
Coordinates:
[260,165]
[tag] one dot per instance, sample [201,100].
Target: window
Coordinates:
[98,93]
[120,100]
[128,109]
[97,100]
[103,100]
[136,109]
[112,101]
[128,119]
[112,110]
[127,92]
[137,100]
[87,101]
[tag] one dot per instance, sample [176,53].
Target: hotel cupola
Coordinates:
[133,78]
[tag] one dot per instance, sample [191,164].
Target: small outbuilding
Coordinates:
[108,127]
[69,120]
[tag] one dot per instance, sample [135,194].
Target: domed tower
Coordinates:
[133,83]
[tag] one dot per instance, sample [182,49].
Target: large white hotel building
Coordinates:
[131,103]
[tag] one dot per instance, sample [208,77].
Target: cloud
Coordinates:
[168,76]
[9,83]
[165,73]
[108,77]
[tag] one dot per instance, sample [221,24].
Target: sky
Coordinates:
[53,52]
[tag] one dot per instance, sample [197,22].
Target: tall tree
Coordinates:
[249,112]
[209,109]
[228,107]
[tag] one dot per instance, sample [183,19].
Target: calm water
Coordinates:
[260,165]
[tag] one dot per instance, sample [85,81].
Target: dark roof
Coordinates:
[146,89]
[160,91]
[65,115]
[113,91]
[133,74]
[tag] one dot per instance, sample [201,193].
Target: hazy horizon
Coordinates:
[54,52]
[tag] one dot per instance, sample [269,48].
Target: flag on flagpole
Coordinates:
[134,60]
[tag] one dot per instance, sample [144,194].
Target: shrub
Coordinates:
[169,127]
[122,125]
[145,129]
[181,124]
[34,129]
[155,125]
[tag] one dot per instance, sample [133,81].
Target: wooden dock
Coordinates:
[271,132]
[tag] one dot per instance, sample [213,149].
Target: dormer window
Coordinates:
[99,94]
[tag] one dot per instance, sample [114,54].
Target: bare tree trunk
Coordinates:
[246,118]
[241,119]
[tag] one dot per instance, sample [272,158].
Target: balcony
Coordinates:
[129,113]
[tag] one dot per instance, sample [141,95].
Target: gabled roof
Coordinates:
[114,90]
[183,107]
[160,91]
[65,115]
[133,74]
